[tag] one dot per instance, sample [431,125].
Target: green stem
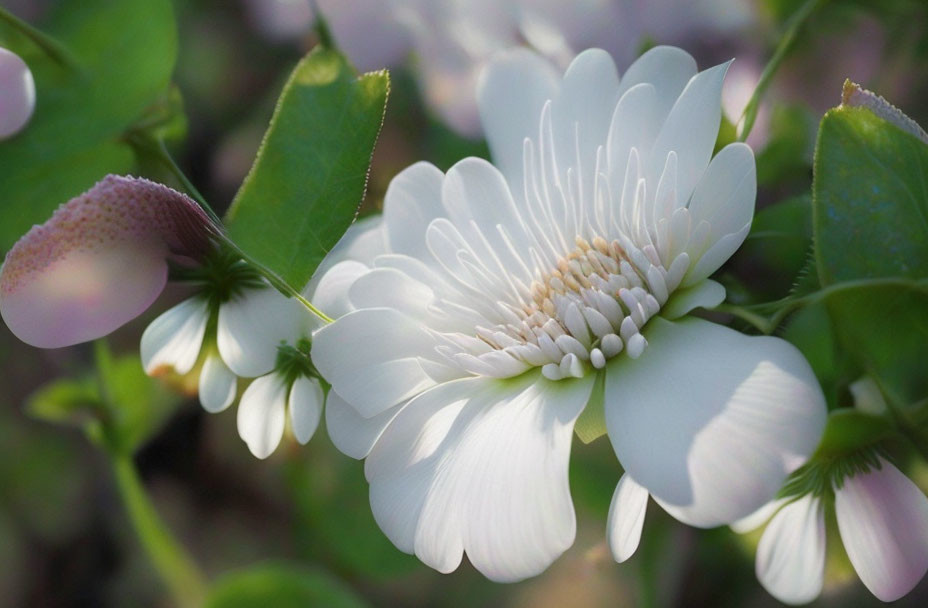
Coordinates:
[787,306]
[175,566]
[793,27]
[49,45]
[761,323]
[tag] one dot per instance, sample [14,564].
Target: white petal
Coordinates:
[173,340]
[626,518]
[705,294]
[362,242]
[252,325]
[480,466]
[759,517]
[412,201]
[690,130]
[331,292]
[711,421]
[791,554]
[667,68]
[217,385]
[305,404]
[724,197]
[352,433]
[512,90]
[262,414]
[371,358]
[883,520]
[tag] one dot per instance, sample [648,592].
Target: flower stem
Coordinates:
[175,566]
[51,47]
[793,27]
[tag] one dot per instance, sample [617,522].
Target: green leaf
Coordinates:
[126,50]
[885,328]
[137,406]
[281,585]
[848,431]
[311,172]
[870,199]
[810,331]
[66,401]
[788,155]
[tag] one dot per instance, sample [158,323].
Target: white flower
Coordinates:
[507,301]
[267,401]
[17,93]
[883,522]
[453,39]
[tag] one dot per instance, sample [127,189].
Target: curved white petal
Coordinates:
[372,358]
[330,295]
[253,324]
[511,92]
[791,554]
[883,520]
[262,414]
[705,294]
[173,339]
[17,93]
[690,130]
[412,201]
[217,385]
[759,517]
[352,433]
[711,421]
[626,518]
[724,197]
[362,242]
[305,406]
[480,466]
[666,68]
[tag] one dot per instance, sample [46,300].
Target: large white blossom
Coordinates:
[493,306]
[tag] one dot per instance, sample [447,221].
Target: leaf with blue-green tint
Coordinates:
[311,172]
[870,199]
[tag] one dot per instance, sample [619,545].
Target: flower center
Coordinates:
[587,310]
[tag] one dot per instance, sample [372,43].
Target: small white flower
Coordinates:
[883,522]
[504,301]
[17,93]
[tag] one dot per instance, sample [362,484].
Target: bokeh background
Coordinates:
[64,536]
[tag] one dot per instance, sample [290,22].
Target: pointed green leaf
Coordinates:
[311,172]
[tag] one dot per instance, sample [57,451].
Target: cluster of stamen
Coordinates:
[589,309]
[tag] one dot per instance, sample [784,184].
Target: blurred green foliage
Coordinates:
[281,586]
[125,52]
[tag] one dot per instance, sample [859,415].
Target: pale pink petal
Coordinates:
[883,520]
[99,262]
[17,93]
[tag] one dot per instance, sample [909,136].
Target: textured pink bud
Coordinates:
[99,262]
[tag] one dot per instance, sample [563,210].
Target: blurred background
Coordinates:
[64,536]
